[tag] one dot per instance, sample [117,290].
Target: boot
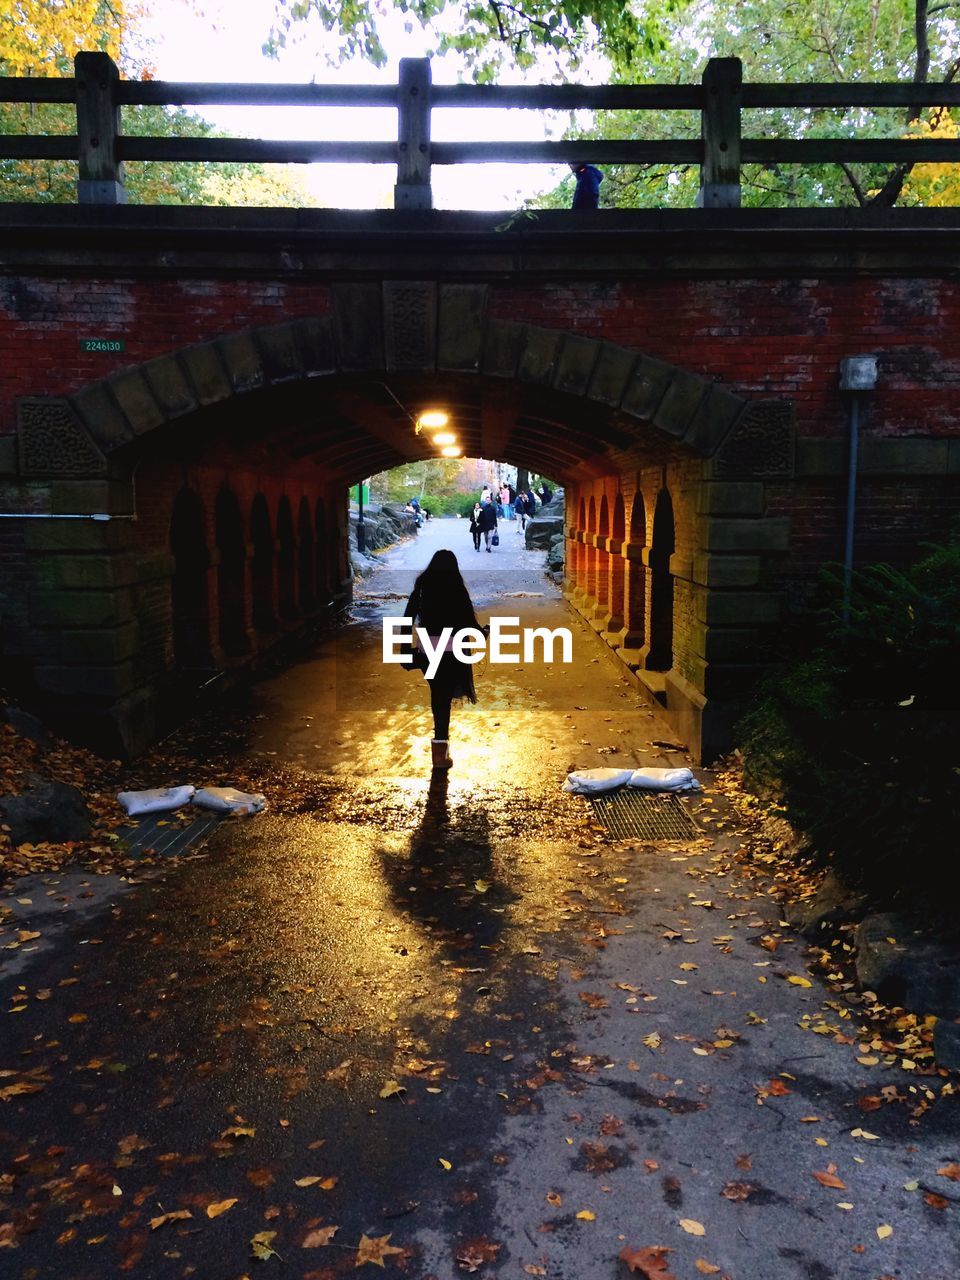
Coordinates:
[441,756]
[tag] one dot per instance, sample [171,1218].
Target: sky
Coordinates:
[224,43]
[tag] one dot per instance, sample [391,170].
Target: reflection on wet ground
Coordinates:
[441,1009]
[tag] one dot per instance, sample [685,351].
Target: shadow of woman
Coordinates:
[445,882]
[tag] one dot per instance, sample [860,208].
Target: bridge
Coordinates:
[187,393]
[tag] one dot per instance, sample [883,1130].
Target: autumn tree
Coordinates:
[41,38]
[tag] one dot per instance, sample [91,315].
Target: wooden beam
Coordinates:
[720,130]
[100,179]
[582,150]
[412,190]
[259,150]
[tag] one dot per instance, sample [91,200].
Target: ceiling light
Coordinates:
[444,437]
[451,451]
[432,418]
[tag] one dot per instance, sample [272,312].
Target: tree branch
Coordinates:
[889,193]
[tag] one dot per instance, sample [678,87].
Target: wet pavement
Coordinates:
[444,1014]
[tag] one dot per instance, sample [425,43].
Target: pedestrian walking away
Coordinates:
[521,508]
[587,194]
[487,520]
[475,529]
[440,599]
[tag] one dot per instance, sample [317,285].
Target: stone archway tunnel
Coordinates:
[175,516]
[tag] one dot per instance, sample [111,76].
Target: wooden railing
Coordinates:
[100,148]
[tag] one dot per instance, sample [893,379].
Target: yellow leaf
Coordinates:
[868,1061]
[164,1218]
[392,1089]
[319,1238]
[221,1206]
[374,1250]
[706,1268]
[884,1232]
[261,1245]
[481,886]
[692,1227]
[445,1163]
[652,1041]
[799,982]
[307,1182]
[862,1133]
[238,1131]
[586,1216]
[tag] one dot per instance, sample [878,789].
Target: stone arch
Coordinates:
[603,559]
[636,574]
[662,546]
[306,559]
[617,567]
[286,560]
[261,565]
[231,574]
[191,617]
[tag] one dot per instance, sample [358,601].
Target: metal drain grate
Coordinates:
[172,839]
[629,814]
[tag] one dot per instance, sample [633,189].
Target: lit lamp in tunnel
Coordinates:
[432,418]
[451,451]
[444,437]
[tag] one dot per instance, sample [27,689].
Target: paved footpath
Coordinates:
[444,1025]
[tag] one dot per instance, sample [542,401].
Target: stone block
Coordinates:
[578,357]
[460,323]
[158,565]
[719,533]
[89,497]
[646,388]
[133,395]
[241,361]
[410,324]
[69,608]
[279,352]
[358,326]
[316,343]
[99,413]
[539,356]
[8,456]
[903,457]
[87,681]
[730,498]
[88,572]
[734,608]
[206,373]
[501,348]
[726,644]
[611,374]
[726,570]
[168,383]
[100,647]
[725,680]
[680,403]
[953,458]
[713,419]
[76,535]
[681,567]
[817,456]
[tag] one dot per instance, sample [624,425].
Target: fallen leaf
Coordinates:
[221,1206]
[319,1238]
[951,1171]
[829,1179]
[653,1041]
[706,1268]
[884,1232]
[586,1216]
[374,1249]
[176,1216]
[261,1245]
[650,1262]
[392,1089]
[692,1227]
[554,1198]
[798,981]
[934,1201]
[738,1190]
[238,1131]
[445,1164]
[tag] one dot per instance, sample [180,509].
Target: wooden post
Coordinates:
[98,128]
[720,129]
[412,190]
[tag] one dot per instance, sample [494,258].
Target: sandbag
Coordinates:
[156,800]
[229,800]
[585,782]
[664,780]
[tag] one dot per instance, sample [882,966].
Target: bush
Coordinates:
[858,740]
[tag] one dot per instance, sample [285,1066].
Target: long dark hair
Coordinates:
[440,597]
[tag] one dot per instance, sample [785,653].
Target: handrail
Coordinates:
[100,148]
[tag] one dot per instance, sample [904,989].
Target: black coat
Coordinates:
[487,519]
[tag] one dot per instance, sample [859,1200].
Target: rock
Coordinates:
[917,971]
[555,552]
[540,531]
[48,810]
[25,725]
[833,903]
[361,565]
[946,1044]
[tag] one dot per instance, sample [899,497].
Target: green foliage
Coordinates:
[858,740]
[488,33]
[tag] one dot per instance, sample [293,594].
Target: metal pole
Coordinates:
[851,503]
[361,531]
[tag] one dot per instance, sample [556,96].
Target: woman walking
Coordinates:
[475,525]
[440,599]
[487,519]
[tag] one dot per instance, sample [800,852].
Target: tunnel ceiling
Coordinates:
[342,392]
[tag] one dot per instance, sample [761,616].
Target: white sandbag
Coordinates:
[585,782]
[664,780]
[157,800]
[229,800]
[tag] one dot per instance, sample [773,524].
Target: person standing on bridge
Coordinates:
[440,599]
[587,194]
